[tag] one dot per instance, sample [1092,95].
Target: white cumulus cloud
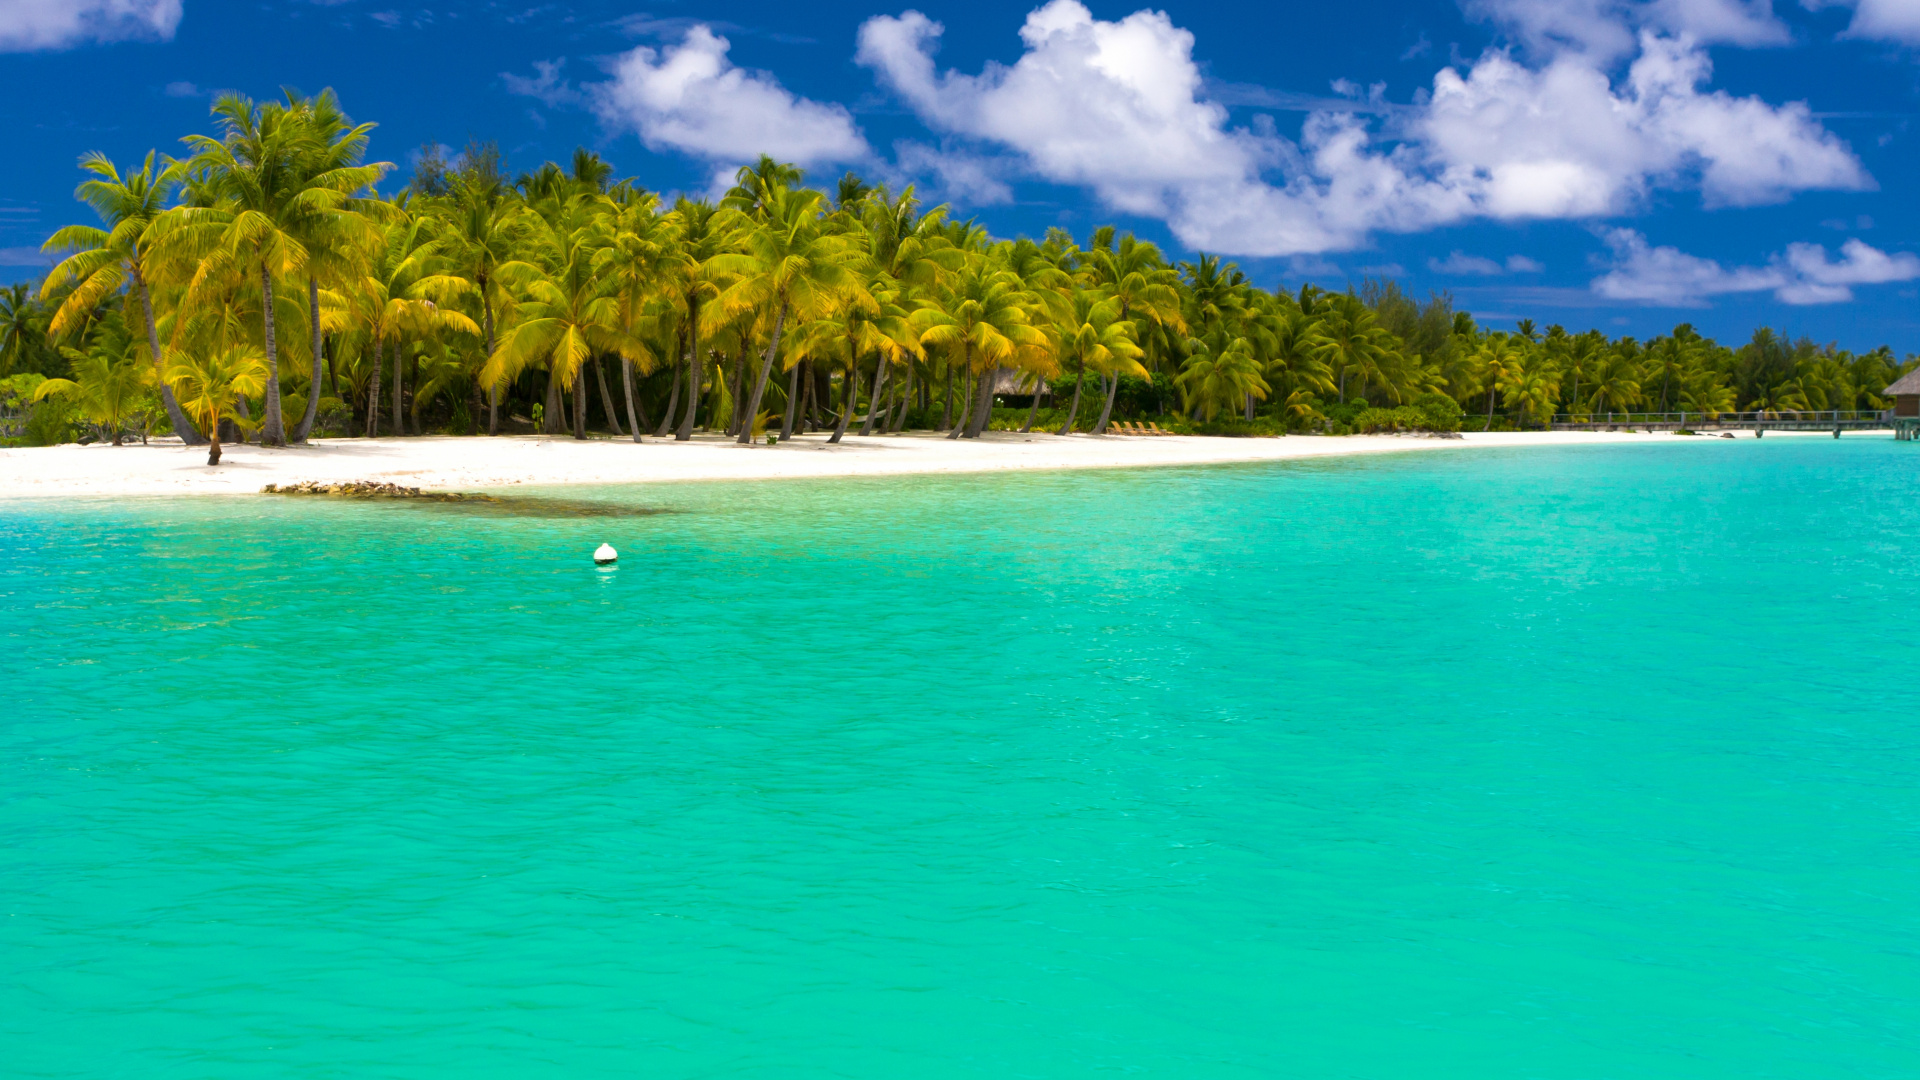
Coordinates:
[1121,108]
[1561,141]
[1604,30]
[34,25]
[1879,20]
[1802,274]
[689,97]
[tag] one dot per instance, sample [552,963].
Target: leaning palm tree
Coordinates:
[207,386]
[791,266]
[102,261]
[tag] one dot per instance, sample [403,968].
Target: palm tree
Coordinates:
[208,386]
[1500,357]
[109,384]
[790,265]
[1134,274]
[102,261]
[337,235]
[23,326]
[1221,372]
[400,291]
[702,232]
[567,314]
[1095,336]
[1352,342]
[269,204]
[640,249]
[985,324]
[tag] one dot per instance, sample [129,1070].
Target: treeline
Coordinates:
[261,285]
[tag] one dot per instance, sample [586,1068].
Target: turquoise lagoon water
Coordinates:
[1577,763]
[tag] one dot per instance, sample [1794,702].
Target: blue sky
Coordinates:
[1609,163]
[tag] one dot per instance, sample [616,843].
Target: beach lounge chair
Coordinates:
[1154,429]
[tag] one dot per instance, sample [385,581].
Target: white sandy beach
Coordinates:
[475,464]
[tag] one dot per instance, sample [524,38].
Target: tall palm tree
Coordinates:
[790,266]
[1133,272]
[1352,342]
[1095,337]
[1221,371]
[702,232]
[639,249]
[102,261]
[1500,358]
[338,236]
[268,203]
[567,314]
[985,323]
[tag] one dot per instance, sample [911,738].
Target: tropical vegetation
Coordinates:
[263,285]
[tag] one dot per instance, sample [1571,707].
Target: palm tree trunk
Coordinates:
[673,403]
[1079,378]
[493,392]
[213,441]
[983,414]
[274,431]
[1113,388]
[554,420]
[580,405]
[793,402]
[1249,406]
[906,402]
[733,392]
[966,402]
[873,402]
[373,389]
[626,379]
[399,367]
[849,396]
[1033,411]
[805,418]
[313,388]
[693,371]
[946,402]
[182,426]
[760,383]
[606,399]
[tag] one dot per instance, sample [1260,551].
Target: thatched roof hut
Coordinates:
[1905,393]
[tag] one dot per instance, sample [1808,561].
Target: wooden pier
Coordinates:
[1904,428]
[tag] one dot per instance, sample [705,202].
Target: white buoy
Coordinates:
[605,554]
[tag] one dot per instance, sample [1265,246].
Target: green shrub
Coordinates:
[49,424]
[1439,412]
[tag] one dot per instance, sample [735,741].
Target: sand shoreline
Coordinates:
[446,463]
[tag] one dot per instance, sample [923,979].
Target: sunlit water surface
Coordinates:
[1564,763]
